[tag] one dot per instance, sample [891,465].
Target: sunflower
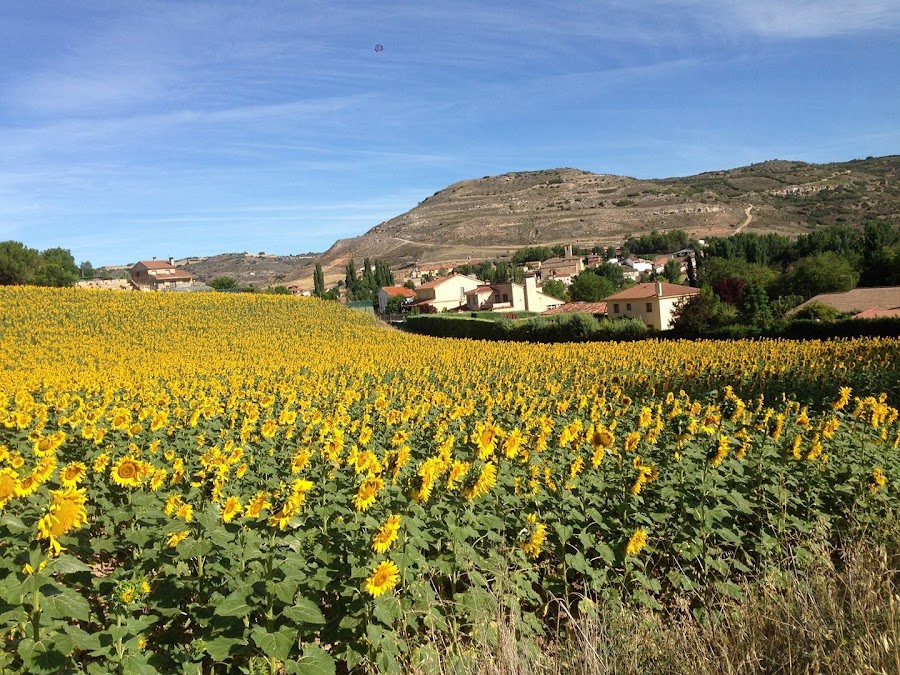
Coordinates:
[9,484]
[176,538]
[721,451]
[877,480]
[158,479]
[485,481]
[637,542]
[231,509]
[602,438]
[457,473]
[632,440]
[383,578]
[72,474]
[535,534]
[257,504]
[843,400]
[66,513]
[185,512]
[367,492]
[127,472]
[386,535]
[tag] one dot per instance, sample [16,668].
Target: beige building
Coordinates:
[562,268]
[653,303]
[446,293]
[158,275]
[510,297]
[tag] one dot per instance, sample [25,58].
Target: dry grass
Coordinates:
[823,617]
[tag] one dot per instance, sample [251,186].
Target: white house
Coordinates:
[387,292]
[446,293]
[510,297]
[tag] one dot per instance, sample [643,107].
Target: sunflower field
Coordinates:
[235,483]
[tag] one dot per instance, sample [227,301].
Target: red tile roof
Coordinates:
[859,299]
[648,290]
[399,290]
[480,289]
[156,264]
[878,313]
[587,307]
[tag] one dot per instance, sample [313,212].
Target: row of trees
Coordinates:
[20,265]
[752,280]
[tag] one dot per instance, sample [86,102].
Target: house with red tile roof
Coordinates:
[510,297]
[654,303]
[446,293]
[387,292]
[862,303]
[158,275]
[595,308]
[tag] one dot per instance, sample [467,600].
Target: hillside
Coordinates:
[492,216]
[250,269]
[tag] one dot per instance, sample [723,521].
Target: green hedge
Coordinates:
[576,327]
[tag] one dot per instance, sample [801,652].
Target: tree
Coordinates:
[702,313]
[672,271]
[223,283]
[589,287]
[754,309]
[56,267]
[350,280]
[394,304]
[318,281]
[87,270]
[730,290]
[18,263]
[691,272]
[613,273]
[555,289]
[820,273]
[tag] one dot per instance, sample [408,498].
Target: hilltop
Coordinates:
[494,215]
[491,217]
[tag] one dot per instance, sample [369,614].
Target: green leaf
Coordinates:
[67,564]
[606,553]
[14,524]
[82,639]
[222,647]
[285,590]
[40,656]
[277,644]
[235,604]
[387,610]
[137,664]
[64,603]
[314,661]
[305,611]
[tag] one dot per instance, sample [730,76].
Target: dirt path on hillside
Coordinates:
[746,220]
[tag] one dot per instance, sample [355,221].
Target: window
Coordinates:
[616,308]
[628,307]
[649,307]
[505,297]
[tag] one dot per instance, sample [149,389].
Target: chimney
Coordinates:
[530,290]
[568,253]
[658,289]
[172,261]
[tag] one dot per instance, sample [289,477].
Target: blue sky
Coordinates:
[153,128]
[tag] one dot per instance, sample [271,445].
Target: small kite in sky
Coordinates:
[379,48]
